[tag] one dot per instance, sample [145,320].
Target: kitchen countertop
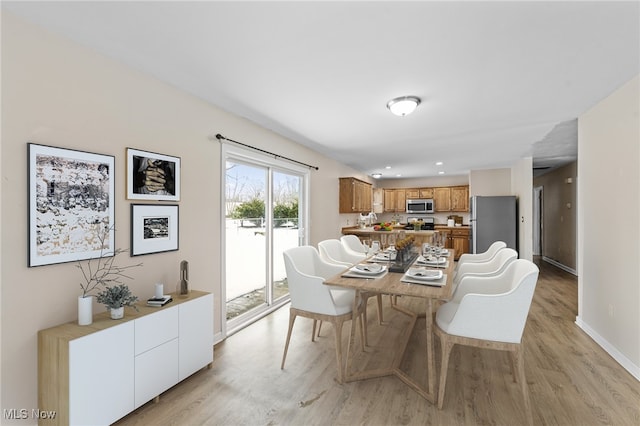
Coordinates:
[398,228]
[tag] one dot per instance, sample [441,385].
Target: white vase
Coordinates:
[85,310]
[117,313]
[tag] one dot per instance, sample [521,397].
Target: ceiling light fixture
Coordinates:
[439,163]
[403,105]
[376,175]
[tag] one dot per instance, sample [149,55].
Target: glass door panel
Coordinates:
[286,225]
[246,238]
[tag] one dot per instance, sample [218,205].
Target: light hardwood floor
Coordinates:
[572,381]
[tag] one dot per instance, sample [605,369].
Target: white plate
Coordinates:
[384,257]
[431,260]
[368,269]
[424,274]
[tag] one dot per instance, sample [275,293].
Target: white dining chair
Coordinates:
[484,256]
[352,243]
[489,312]
[311,298]
[492,266]
[333,251]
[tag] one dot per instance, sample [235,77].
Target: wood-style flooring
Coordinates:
[572,381]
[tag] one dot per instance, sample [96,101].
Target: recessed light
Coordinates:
[439,163]
[398,175]
[387,167]
[441,172]
[376,175]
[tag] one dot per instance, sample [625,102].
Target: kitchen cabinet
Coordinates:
[456,238]
[394,201]
[355,196]
[412,193]
[459,199]
[419,193]
[401,201]
[442,199]
[426,192]
[99,373]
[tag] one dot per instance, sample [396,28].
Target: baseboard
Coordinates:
[560,265]
[625,362]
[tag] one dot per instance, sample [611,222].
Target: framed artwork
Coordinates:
[152,176]
[71,205]
[154,228]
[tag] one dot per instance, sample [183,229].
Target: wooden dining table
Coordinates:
[391,283]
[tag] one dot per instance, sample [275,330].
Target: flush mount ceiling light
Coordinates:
[376,175]
[403,105]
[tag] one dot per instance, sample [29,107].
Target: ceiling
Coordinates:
[499,81]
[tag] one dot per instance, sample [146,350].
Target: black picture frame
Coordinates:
[71,205]
[152,176]
[155,228]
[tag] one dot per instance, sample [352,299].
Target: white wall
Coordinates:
[58,93]
[522,187]
[490,182]
[608,224]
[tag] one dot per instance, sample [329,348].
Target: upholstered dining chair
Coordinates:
[333,251]
[353,244]
[311,298]
[493,266]
[489,312]
[481,257]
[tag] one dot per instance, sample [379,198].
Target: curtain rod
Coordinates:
[220,137]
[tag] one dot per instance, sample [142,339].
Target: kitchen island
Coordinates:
[368,232]
[457,236]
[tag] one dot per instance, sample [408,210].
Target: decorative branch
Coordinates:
[105,272]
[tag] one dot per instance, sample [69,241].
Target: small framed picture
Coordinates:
[152,176]
[71,205]
[154,228]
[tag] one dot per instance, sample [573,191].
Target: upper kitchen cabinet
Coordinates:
[418,193]
[355,196]
[426,192]
[459,199]
[395,201]
[442,199]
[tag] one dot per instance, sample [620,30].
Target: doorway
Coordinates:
[538,220]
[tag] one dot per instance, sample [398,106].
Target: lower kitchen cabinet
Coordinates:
[97,374]
[458,239]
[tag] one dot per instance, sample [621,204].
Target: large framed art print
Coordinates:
[71,205]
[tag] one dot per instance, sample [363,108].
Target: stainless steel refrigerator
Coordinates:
[493,219]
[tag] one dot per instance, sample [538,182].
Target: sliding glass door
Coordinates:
[264,210]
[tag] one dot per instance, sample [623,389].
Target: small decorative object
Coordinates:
[85,310]
[116,298]
[184,277]
[99,272]
[152,176]
[154,228]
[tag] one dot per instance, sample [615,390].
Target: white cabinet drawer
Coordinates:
[156,371]
[154,330]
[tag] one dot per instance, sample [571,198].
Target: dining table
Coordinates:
[398,280]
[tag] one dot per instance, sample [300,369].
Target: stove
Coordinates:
[428,223]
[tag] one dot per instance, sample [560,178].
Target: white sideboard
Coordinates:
[98,373]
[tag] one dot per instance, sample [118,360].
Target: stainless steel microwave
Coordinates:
[420,206]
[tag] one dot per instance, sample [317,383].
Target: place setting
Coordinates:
[424,276]
[366,270]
